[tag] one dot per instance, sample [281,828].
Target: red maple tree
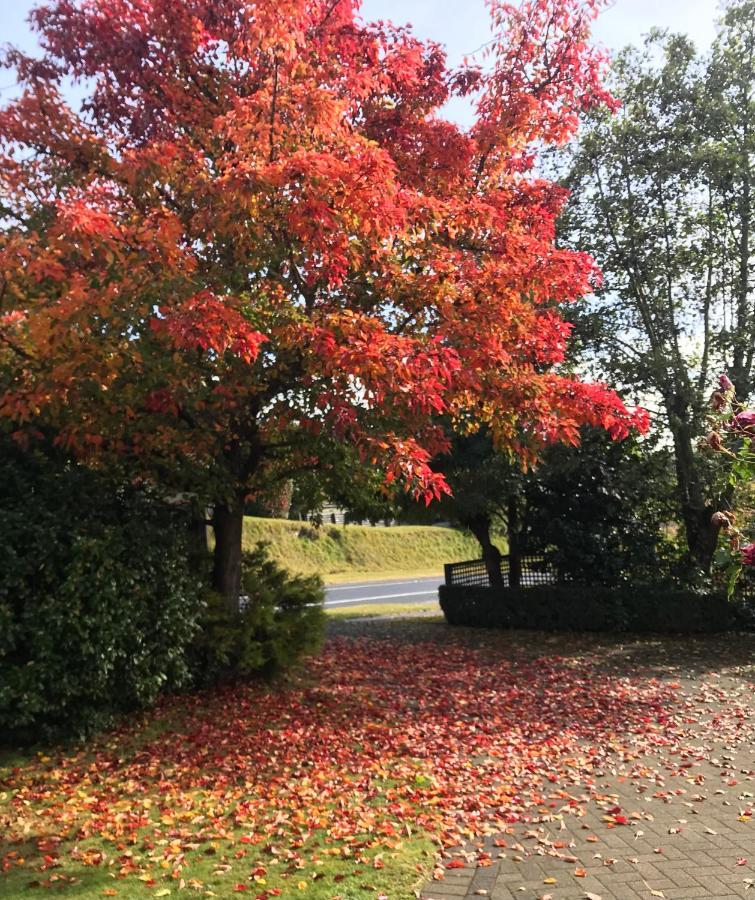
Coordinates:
[258,235]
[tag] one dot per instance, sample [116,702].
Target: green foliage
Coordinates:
[281,620]
[274,502]
[97,602]
[481,478]
[730,445]
[662,196]
[343,479]
[579,607]
[598,510]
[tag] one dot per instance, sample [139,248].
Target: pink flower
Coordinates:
[723,397]
[748,554]
[743,421]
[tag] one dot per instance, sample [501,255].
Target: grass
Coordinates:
[367,611]
[341,553]
[222,863]
[221,870]
[220,873]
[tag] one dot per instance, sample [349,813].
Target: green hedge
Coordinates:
[578,607]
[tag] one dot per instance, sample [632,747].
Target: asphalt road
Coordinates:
[405,590]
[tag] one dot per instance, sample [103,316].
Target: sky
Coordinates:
[460,25]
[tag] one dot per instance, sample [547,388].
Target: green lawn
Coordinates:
[221,872]
[367,610]
[164,823]
[354,552]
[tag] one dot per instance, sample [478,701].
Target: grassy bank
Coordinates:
[352,552]
[109,836]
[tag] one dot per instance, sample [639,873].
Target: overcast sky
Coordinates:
[461,25]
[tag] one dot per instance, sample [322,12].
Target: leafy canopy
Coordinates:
[258,236]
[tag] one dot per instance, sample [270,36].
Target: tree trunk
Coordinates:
[514,529]
[701,534]
[227,522]
[742,356]
[480,528]
[198,549]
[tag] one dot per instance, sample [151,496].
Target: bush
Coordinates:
[598,510]
[97,604]
[281,620]
[578,607]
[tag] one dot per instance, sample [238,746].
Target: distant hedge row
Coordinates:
[578,607]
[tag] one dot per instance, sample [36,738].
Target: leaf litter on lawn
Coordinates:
[340,781]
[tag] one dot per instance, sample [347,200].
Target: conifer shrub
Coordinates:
[280,620]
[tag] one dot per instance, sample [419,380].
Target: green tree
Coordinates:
[598,510]
[485,486]
[662,198]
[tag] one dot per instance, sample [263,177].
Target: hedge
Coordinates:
[580,607]
[97,600]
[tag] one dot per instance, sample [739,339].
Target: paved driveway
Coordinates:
[677,824]
[663,807]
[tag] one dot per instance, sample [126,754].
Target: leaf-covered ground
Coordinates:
[400,742]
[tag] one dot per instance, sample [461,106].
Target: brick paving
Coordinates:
[677,824]
[689,832]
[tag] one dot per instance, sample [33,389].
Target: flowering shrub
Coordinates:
[731,440]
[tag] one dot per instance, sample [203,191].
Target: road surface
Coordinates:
[405,590]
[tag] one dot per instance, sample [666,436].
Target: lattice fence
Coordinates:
[474,573]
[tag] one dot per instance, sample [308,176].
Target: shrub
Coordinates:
[307,532]
[281,620]
[96,601]
[598,510]
[578,607]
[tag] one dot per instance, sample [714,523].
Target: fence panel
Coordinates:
[474,573]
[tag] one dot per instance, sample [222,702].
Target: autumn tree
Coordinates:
[258,237]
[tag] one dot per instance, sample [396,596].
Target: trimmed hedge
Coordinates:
[580,607]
